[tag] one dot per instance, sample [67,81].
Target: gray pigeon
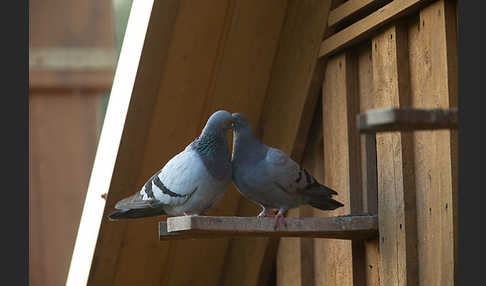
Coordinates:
[270,178]
[191,182]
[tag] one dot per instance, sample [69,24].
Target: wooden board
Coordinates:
[396,188]
[433,84]
[407,119]
[289,258]
[335,263]
[365,27]
[341,227]
[368,160]
[352,9]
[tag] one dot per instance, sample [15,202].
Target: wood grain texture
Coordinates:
[407,119]
[351,9]
[433,70]
[289,258]
[340,227]
[366,27]
[368,160]
[396,187]
[341,154]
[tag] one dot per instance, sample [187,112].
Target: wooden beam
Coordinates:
[351,9]
[342,227]
[407,119]
[118,158]
[365,27]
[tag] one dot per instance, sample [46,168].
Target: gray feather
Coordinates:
[191,182]
[269,177]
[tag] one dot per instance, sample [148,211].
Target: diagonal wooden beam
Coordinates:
[365,27]
[184,72]
[123,134]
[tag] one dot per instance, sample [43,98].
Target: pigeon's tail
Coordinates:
[135,213]
[321,198]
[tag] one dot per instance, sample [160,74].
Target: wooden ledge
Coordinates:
[407,119]
[340,227]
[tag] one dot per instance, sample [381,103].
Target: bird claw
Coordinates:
[277,217]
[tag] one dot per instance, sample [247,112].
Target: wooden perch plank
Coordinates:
[407,119]
[365,27]
[351,9]
[340,227]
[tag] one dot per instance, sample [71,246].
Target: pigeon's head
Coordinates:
[240,122]
[221,119]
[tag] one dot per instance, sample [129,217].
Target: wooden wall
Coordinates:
[409,178]
[71,70]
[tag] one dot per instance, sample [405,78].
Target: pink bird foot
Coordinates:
[186,214]
[278,216]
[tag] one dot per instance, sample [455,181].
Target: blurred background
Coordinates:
[74,47]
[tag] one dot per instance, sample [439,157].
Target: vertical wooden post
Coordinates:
[368,159]
[433,70]
[396,189]
[342,173]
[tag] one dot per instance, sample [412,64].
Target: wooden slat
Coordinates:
[351,9]
[289,263]
[340,153]
[407,119]
[342,227]
[365,27]
[396,188]
[292,73]
[433,70]
[368,160]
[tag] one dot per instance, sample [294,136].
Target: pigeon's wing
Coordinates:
[173,185]
[178,179]
[287,175]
